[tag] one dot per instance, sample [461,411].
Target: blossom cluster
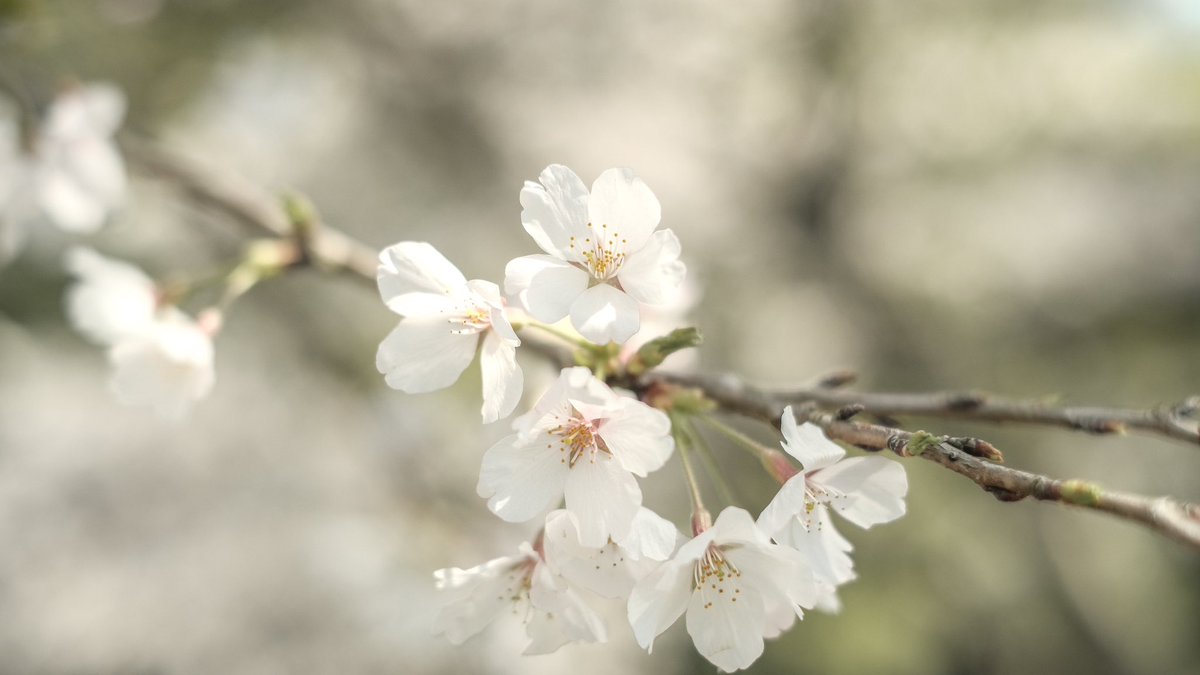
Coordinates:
[572,462]
[66,171]
[161,357]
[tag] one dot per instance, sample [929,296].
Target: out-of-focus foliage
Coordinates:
[996,195]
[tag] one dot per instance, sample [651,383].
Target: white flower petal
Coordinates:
[604,498]
[727,628]
[69,202]
[650,536]
[502,377]
[503,328]
[874,489]
[791,499]
[825,549]
[544,285]
[422,355]
[638,436]
[92,110]
[422,305]
[168,367]
[652,273]
[489,293]
[605,314]
[622,201]
[559,615]
[778,616]
[606,571]
[735,525]
[110,300]
[574,387]
[658,600]
[473,598]
[776,571]
[808,443]
[555,211]
[520,479]
[416,267]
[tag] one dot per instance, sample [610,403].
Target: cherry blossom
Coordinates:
[110,299]
[865,490]
[735,586]
[73,176]
[445,318]
[603,253]
[161,358]
[610,570]
[77,173]
[581,442]
[167,367]
[523,585]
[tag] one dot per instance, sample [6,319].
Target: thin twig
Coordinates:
[1173,421]
[1175,519]
[326,247]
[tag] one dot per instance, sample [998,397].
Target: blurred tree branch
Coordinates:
[256,209]
[332,249]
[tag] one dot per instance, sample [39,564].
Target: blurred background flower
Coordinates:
[997,195]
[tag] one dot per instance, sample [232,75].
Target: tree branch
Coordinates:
[1173,421]
[323,246]
[1177,520]
[330,248]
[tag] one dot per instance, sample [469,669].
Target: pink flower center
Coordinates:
[579,439]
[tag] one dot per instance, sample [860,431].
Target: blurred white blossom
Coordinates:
[77,173]
[110,299]
[523,585]
[72,175]
[167,367]
[161,358]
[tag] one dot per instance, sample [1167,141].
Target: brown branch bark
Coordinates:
[1173,421]
[1175,519]
[332,249]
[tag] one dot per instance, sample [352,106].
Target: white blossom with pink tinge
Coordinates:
[736,587]
[866,491]
[445,318]
[162,359]
[523,585]
[77,174]
[583,443]
[603,254]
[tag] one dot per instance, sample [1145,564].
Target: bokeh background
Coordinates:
[1000,194]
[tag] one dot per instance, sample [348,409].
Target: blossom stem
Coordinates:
[743,441]
[683,442]
[176,291]
[556,332]
[774,461]
[263,259]
[710,466]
